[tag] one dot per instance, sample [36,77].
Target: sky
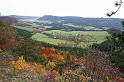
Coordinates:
[82,8]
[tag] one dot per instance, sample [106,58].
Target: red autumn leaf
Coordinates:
[7,43]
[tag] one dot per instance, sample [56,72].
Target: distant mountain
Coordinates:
[99,23]
[25,18]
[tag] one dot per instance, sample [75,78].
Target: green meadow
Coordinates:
[90,36]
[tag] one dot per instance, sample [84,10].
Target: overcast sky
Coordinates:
[83,8]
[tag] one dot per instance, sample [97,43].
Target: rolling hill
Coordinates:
[8,19]
[79,23]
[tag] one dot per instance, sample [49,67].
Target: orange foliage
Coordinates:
[51,65]
[38,68]
[56,56]
[50,53]
[20,65]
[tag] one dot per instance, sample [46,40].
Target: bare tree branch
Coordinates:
[117,4]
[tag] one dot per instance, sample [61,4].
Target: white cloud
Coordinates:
[84,8]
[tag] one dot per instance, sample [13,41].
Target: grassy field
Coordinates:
[47,39]
[90,36]
[98,36]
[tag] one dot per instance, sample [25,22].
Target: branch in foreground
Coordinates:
[118,4]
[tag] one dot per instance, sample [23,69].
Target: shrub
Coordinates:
[50,65]
[20,65]
[38,68]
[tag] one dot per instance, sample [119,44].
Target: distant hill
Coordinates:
[81,23]
[67,23]
[8,19]
[25,18]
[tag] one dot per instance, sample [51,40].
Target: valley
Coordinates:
[61,49]
[44,29]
